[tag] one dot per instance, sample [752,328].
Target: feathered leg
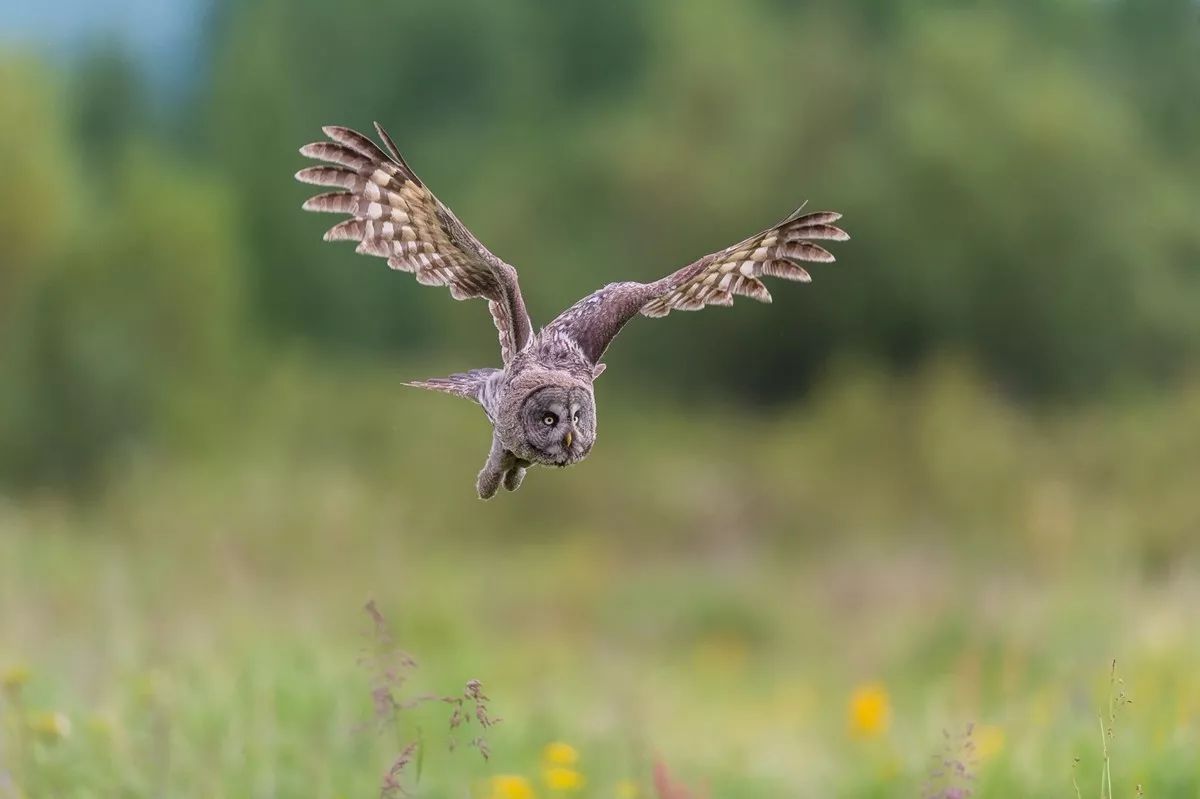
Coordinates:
[500,464]
[514,476]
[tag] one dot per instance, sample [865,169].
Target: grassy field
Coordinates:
[817,601]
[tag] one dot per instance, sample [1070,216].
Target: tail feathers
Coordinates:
[465,384]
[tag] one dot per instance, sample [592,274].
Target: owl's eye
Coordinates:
[549,420]
[575,417]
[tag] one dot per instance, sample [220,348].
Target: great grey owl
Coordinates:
[540,403]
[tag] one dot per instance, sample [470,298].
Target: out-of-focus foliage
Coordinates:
[110,105]
[123,289]
[36,167]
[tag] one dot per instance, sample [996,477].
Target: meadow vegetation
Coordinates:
[805,622]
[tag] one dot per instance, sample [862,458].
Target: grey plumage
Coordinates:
[541,402]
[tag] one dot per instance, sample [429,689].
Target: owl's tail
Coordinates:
[477,385]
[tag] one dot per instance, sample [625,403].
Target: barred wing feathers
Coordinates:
[736,271]
[393,215]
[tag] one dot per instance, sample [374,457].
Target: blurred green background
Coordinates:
[945,485]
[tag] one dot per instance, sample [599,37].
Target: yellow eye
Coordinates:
[549,420]
[575,417]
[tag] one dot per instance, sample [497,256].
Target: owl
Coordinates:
[540,402]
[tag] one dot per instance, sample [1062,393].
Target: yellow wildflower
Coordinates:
[13,677]
[50,727]
[870,711]
[628,789]
[560,778]
[989,741]
[558,753]
[511,786]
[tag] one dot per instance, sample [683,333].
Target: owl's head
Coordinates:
[552,423]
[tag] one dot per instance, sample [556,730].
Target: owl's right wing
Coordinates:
[594,321]
[395,216]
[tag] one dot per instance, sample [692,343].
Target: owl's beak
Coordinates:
[567,439]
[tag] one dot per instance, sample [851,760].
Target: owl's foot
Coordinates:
[501,465]
[513,478]
[488,482]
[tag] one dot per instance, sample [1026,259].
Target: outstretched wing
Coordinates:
[715,279]
[395,216]
[776,252]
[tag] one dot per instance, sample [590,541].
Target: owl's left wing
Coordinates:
[395,216]
[715,279]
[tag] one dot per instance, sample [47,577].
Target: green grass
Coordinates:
[707,592]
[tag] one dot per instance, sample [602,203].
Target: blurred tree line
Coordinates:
[1020,179]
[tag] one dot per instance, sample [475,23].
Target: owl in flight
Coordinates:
[540,403]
